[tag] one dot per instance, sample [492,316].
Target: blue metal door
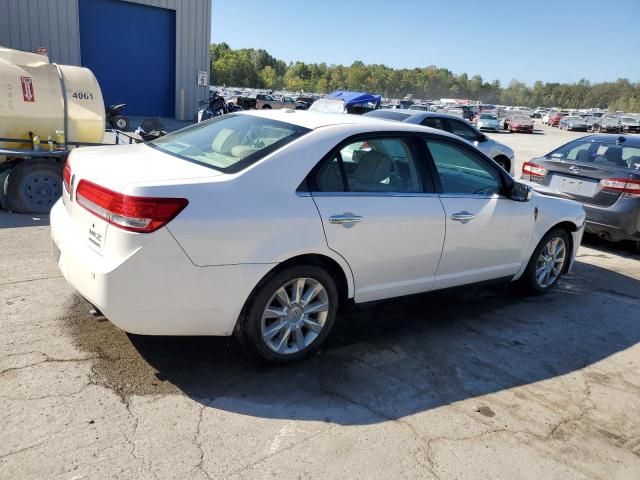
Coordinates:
[131,50]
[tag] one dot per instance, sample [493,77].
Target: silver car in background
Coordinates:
[499,152]
[488,121]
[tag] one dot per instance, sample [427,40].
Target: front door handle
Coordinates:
[345,219]
[462,217]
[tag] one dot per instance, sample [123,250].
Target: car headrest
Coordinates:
[373,167]
[583,156]
[614,155]
[225,141]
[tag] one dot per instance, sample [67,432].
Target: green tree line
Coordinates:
[248,67]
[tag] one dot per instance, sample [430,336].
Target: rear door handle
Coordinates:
[345,218]
[462,217]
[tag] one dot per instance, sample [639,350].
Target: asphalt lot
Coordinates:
[464,384]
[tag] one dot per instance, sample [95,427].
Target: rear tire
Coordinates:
[289,315]
[34,186]
[266,107]
[548,262]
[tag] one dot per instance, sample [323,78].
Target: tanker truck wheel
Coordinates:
[4,201]
[34,186]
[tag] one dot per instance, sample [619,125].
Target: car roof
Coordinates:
[314,120]
[631,140]
[418,116]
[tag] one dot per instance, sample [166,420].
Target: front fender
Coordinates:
[553,211]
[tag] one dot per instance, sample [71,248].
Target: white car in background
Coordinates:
[255,223]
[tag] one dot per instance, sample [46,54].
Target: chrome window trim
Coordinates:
[470,195]
[366,194]
[400,194]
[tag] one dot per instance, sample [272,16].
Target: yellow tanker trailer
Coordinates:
[45,109]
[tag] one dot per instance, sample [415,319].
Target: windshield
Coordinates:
[327,106]
[388,114]
[230,142]
[629,119]
[486,116]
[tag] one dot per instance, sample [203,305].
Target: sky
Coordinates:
[548,40]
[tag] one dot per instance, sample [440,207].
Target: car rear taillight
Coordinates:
[533,169]
[135,214]
[624,186]
[66,176]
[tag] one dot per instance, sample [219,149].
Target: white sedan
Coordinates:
[263,223]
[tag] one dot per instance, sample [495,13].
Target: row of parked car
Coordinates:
[593,122]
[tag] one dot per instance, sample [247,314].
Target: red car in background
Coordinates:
[518,123]
[554,120]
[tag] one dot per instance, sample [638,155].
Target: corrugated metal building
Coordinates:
[152,55]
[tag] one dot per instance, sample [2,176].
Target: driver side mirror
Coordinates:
[521,192]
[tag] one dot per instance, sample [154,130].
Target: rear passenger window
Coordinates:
[375,165]
[433,123]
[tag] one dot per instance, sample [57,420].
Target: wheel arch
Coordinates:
[569,227]
[340,273]
[337,268]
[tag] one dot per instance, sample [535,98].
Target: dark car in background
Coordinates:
[630,124]
[603,173]
[304,102]
[574,122]
[606,124]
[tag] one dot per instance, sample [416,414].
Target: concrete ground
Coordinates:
[464,384]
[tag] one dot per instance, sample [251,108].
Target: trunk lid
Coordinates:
[116,168]
[581,181]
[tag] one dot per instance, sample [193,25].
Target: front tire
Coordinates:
[548,262]
[290,314]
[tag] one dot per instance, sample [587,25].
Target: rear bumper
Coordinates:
[620,221]
[156,290]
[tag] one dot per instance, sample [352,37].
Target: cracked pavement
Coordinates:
[463,384]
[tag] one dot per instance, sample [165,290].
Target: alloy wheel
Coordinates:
[551,262]
[295,316]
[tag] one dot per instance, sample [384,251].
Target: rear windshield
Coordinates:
[388,114]
[229,143]
[599,153]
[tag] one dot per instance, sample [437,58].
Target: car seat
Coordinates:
[373,169]
[225,140]
[614,155]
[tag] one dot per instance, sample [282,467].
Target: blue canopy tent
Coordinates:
[355,98]
[342,101]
